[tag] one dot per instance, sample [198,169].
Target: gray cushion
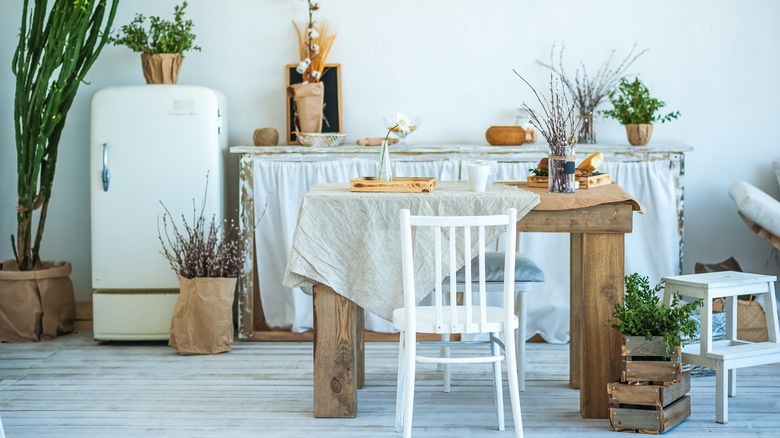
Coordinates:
[525,268]
[757,205]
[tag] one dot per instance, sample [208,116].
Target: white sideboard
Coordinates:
[273,180]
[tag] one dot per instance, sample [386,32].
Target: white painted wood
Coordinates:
[74,387]
[412,319]
[726,356]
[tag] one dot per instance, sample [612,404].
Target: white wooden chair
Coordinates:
[452,318]
[526,274]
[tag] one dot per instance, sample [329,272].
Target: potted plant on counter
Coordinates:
[207,259]
[162,47]
[634,108]
[59,40]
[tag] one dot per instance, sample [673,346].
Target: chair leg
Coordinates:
[511,371]
[399,391]
[522,305]
[498,386]
[445,367]
[721,394]
[733,383]
[409,375]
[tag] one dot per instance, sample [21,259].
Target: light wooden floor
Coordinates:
[74,387]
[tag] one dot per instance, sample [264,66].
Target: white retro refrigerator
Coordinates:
[149,144]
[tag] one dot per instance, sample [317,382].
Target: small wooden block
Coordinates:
[589,182]
[586,182]
[398,184]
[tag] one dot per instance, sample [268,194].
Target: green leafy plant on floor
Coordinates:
[162,37]
[632,105]
[642,315]
[53,56]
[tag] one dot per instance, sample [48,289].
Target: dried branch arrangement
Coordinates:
[314,44]
[559,126]
[195,250]
[588,91]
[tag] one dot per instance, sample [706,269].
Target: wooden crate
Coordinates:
[644,362]
[648,395]
[398,184]
[644,419]
[586,182]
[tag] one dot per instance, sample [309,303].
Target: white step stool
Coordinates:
[729,354]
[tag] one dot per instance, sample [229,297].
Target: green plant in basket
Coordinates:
[642,315]
[632,105]
[163,36]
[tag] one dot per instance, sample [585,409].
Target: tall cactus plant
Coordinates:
[52,58]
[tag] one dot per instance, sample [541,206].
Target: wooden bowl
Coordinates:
[505,135]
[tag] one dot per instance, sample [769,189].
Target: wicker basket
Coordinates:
[321,140]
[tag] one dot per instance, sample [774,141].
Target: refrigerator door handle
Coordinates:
[106,173]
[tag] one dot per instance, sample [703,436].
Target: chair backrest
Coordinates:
[450,226]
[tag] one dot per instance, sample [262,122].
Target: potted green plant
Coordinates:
[634,108]
[641,316]
[162,47]
[59,41]
[207,259]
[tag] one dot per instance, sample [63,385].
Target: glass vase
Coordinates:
[385,172]
[588,130]
[560,170]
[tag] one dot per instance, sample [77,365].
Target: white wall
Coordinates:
[451,63]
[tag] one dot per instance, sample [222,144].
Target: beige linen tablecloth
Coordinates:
[350,241]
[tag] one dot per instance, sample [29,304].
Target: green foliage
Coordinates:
[632,105]
[538,172]
[163,36]
[641,315]
[56,49]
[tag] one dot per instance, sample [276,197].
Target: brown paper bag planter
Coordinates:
[202,320]
[36,305]
[639,135]
[307,104]
[161,68]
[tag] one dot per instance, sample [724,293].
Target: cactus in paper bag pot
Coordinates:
[207,258]
[161,47]
[59,40]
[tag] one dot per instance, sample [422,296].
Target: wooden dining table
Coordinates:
[597,220]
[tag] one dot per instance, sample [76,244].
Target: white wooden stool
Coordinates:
[729,354]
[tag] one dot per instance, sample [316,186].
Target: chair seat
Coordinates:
[525,269]
[426,320]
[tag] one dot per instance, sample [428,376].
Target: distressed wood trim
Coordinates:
[246,225]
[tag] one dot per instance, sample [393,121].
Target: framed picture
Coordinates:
[331,78]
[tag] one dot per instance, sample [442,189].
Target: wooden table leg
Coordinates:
[360,346]
[602,278]
[575,303]
[335,382]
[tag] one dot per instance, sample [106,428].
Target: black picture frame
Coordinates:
[331,79]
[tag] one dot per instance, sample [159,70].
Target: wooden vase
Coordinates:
[161,68]
[505,135]
[639,135]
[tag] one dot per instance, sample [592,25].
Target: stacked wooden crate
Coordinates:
[651,394]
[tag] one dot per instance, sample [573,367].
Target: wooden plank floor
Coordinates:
[75,387]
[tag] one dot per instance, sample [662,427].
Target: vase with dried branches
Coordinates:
[587,91]
[561,128]
[314,43]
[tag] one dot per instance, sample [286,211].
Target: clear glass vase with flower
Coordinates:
[558,124]
[399,124]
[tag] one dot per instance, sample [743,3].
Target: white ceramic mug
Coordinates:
[478,176]
[493,169]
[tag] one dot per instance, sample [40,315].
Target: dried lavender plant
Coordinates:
[558,126]
[588,91]
[196,250]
